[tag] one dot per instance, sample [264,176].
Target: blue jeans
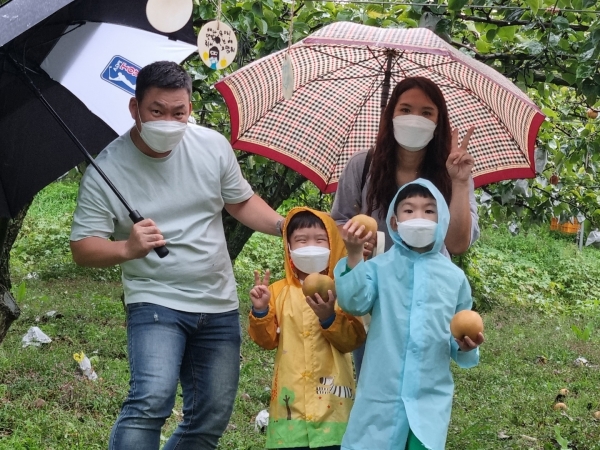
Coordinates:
[165,346]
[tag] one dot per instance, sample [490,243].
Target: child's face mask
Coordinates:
[417,233]
[310,259]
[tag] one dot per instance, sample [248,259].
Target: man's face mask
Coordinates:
[417,233]
[161,135]
[413,132]
[310,259]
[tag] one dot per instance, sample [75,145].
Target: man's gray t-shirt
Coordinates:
[350,200]
[184,194]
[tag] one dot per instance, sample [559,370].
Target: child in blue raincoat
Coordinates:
[404,395]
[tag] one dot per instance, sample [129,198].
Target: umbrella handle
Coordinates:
[136,217]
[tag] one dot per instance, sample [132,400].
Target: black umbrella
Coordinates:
[45,130]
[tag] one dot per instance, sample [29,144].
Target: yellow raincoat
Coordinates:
[313,383]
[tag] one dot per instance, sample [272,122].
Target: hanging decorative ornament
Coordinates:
[287,76]
[217,44]
[169,16]
[287,68]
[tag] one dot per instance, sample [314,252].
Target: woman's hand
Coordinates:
[460,162]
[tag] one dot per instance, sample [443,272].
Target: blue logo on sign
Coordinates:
[122,73]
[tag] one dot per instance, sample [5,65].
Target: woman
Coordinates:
[414,141]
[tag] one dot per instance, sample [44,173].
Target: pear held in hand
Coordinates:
[318,283]
[369,223]
[466,323]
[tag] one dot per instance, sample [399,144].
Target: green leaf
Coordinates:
[482,46]
[534,5]
[261,25]
[507,33]
[533,47]
[21,291]
[257,9]
[590,90]
[457,5]
[561,23]
[585,69]
[549,113]
[569,78]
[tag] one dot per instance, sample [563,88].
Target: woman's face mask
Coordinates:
[162,135]
[413,132]
[310,259]
[417,233]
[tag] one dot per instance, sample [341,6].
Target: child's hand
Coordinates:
[369,247]
[467,344]
[355,243]
[324,309]
[260,294]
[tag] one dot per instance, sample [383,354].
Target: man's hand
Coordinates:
[324,309]
[143,238]
[260,294]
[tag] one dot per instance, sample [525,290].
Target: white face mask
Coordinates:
[417,233]
[310,259]
[162,135]
[413,132]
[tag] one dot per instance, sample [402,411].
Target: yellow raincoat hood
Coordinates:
[336,244]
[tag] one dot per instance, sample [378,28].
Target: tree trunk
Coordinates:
[9,312]
[237,234]
[9,230]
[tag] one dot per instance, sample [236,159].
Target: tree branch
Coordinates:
[506,23]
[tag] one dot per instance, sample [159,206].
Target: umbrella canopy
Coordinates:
[83,57]
[336,104]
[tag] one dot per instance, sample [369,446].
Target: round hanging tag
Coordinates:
[287,76]
[169,16]
[217,44]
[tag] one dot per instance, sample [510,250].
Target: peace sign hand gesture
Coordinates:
[460,162]
[260,294]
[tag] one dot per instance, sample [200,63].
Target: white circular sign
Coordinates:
[169,16]
[217,45]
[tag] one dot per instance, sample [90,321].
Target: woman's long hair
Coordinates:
[382,186]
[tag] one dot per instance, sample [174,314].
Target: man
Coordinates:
[182,311]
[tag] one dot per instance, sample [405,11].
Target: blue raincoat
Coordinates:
[405,381]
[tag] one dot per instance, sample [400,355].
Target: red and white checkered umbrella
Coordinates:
[335,108]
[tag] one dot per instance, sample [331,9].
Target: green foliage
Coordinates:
[532,269]
[261,252]
[582,334]
[564,444]
[42,247]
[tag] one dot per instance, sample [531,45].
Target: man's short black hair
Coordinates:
[303,219]
[412,190]
[163,75]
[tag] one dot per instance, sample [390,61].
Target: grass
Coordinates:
[535,298]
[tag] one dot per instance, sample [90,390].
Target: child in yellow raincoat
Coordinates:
[313,384]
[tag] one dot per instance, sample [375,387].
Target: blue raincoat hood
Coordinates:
[443,216]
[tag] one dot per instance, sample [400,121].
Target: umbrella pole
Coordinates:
[134,215]
[385,87]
